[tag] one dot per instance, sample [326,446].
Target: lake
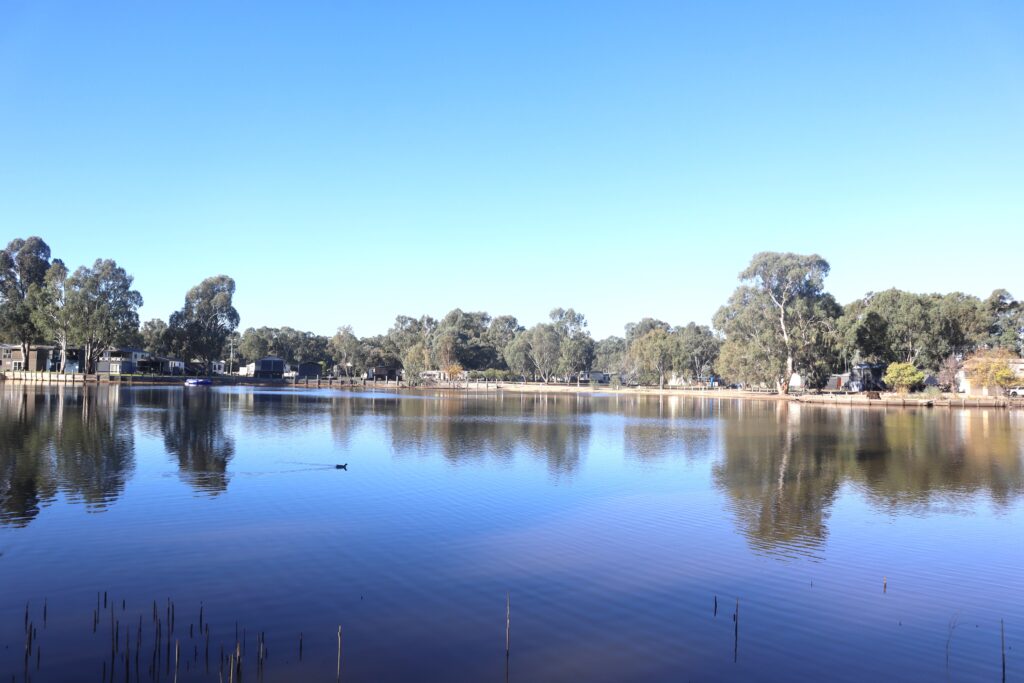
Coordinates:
[624,531]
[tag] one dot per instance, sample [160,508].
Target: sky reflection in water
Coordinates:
[614,522]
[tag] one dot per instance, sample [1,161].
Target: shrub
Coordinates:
[903,377]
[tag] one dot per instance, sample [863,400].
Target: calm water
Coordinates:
[613,522]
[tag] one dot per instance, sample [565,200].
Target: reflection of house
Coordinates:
[121,361]
[270,367]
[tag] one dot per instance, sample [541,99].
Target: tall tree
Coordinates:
[654,353]
[1005,321]
[518,356]
[23,266]
[636,330]
[346,351]
[780,320]
[697,349]
[502,330]
[104,308]
[205,321]
[155,339]
[51,312]
[544,350]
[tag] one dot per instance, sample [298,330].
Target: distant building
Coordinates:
[384,372]
[121,361]
[41,358]
[270,367]
[308,370]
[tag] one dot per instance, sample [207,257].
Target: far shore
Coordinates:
[886,400]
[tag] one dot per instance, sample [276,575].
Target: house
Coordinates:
[270,367]
[869,375]
[965,386]
[838,382]
[121,361]
[41,358]
[218,367]
[304,370]
[172,366]
[384,372]
[595,376]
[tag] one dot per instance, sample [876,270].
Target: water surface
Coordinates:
[859,543]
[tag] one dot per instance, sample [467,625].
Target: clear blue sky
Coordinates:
[346,162]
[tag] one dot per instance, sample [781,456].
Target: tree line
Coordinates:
[779,321]
[95,308]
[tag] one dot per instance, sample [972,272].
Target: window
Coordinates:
[7,353]
[17,365]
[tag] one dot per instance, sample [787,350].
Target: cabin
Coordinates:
[270,367]
[595,376]
[41,358]
[383,372]
[121,361]
[308,371]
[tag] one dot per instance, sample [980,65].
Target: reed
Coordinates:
[338,678]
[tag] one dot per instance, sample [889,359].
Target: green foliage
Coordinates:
[903,377]
[780,321]
[517,356]
[23,267]
[545,348]
[654,353]
[696,351]
[200,328]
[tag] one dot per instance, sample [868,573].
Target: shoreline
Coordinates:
[827,399]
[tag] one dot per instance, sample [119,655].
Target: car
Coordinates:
[1016,392]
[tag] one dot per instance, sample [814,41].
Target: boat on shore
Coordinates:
[198,382]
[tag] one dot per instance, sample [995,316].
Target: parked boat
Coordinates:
[197,382]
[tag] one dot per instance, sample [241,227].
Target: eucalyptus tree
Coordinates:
[780,321]
[517,355]
[655,352]
[23,267]
[576,347]
[104,308]
[697,350]
[155,337]
[51,312]
[545,347]
[1005,321]
[502,330]
[638,329]
[203,324]
[346,351]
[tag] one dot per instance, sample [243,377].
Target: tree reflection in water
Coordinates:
[193,431]
[71,441]
[783,464]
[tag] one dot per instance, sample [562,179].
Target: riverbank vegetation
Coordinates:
[779,322]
